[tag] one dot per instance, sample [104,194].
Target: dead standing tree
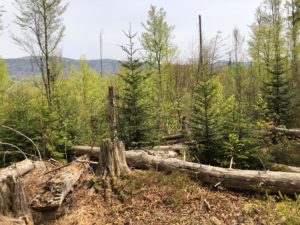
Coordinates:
[112,159]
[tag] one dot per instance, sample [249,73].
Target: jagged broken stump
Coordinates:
[112,160]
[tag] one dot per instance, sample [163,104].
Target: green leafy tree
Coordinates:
[43,30]
[157,43]
[134,116]
[156,39]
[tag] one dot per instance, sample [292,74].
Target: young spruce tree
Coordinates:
[134,126]
[277,92]
[206,120]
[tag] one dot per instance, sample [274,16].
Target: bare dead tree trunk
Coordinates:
[112,113]
[112,160]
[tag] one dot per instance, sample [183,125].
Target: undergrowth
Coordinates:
[276,209]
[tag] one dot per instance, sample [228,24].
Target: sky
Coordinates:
[85,19]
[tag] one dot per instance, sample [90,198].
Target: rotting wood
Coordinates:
[17,169]
[112,161]
[57,188]
[245,180]
[13,202]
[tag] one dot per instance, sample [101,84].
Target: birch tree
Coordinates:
[42,28]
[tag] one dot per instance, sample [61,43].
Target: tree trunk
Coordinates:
[294,133]
[13,202]
[17,169]
[57,188]
[246,180]
[112,161]
[164,151]
[284,168]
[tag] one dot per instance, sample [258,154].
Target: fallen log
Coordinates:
[245,180]
[17,169]
[92,152]
[164,151]
[56,189]
[284,168]
[295,133]
[173,137]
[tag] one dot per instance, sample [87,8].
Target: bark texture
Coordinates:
[112,161]
[14,207]
[17,169]
[57,188]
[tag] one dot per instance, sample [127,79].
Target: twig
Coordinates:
[59,168]
[217,184]
[262,164]
[207,205]
[18,132]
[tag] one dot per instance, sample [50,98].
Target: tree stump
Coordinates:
[112,160]
[14,208]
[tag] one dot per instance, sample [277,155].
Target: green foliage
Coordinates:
[134,119]
[239,141]
[78,115]
[156,39]
[206,121]
[277,92]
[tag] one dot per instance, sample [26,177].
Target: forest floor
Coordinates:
[150,197]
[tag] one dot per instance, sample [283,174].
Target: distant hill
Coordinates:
[20,67]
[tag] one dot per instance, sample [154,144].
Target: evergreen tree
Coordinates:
[134,126]
[277,92]
[206,121]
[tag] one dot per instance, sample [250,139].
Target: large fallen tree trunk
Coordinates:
[17,169]
[163,151]
[175,138]
[57,188]
[246,180]
[295,133]
[284,168]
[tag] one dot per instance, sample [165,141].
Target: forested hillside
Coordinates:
[25,67]
[234,110]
